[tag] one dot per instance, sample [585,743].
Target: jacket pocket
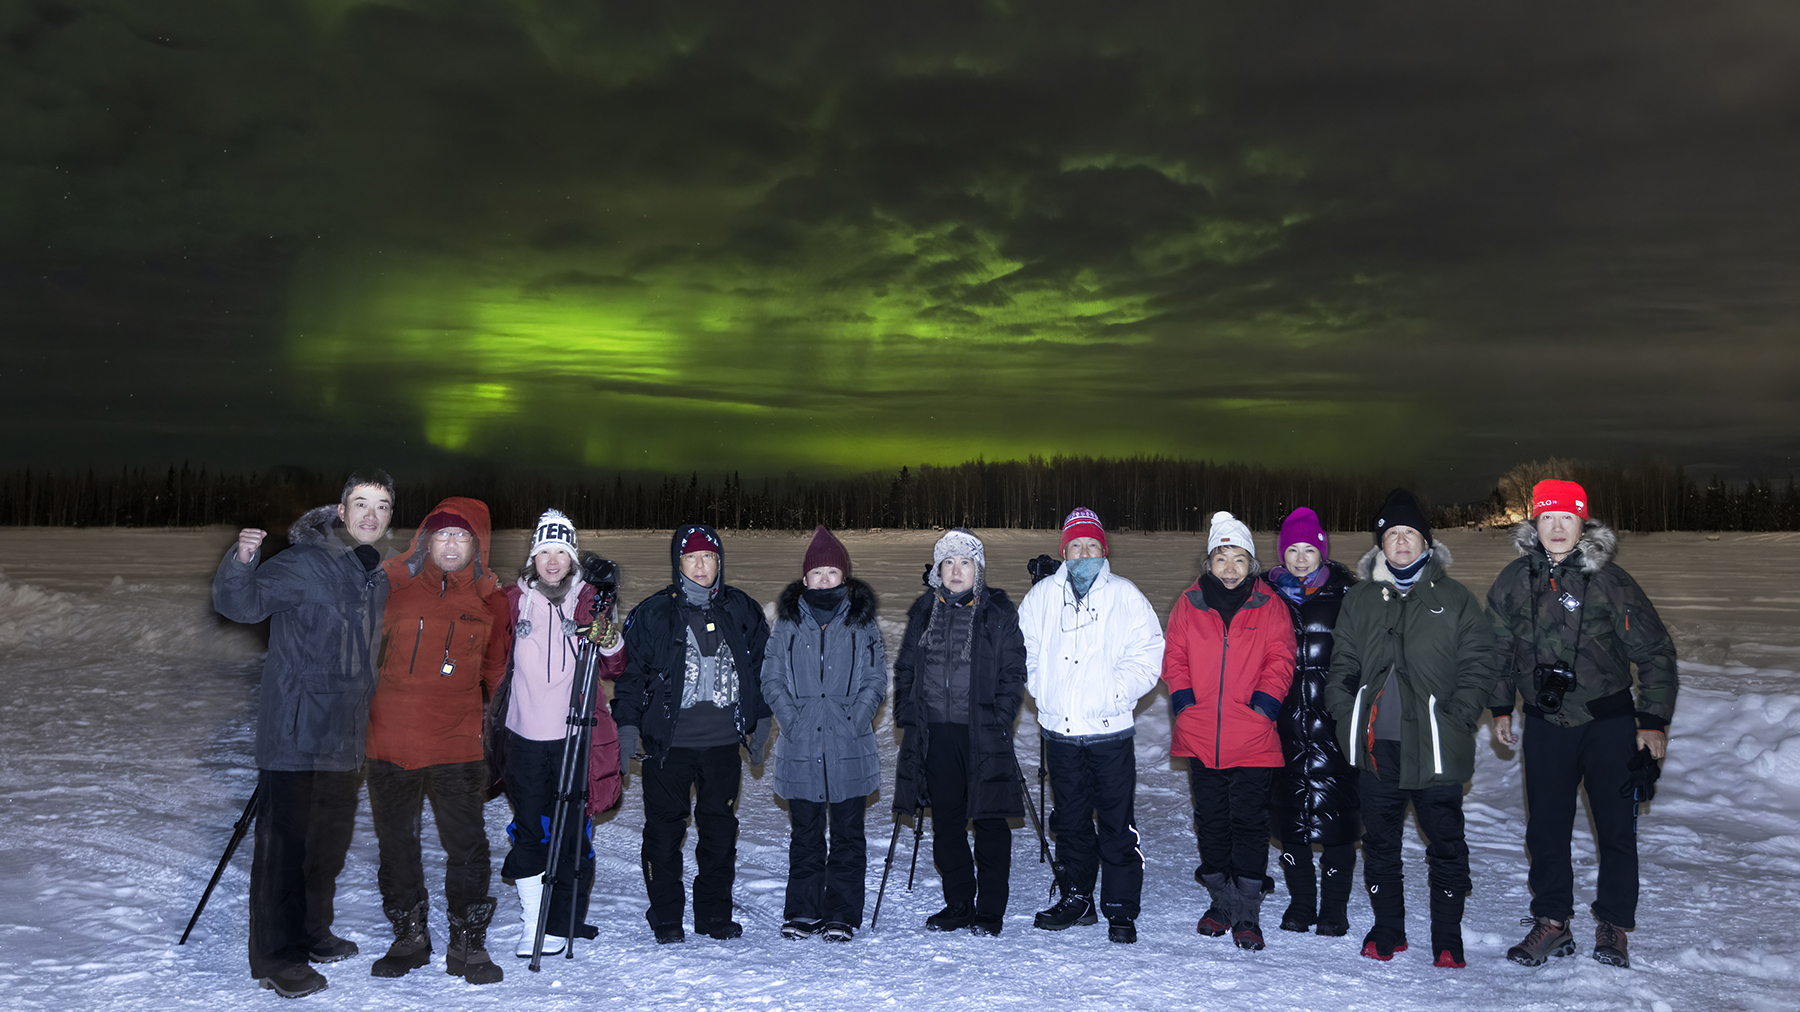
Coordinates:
[323,722]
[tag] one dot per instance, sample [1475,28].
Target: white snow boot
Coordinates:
[531,896]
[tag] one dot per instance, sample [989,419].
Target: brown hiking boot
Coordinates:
[1609,944]
[1545,939]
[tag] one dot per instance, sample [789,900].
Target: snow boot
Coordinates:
[669,934]
[294,981]
[412,942]
[331,949]
[1121,929]
[1217,919]
[531,896]
[724,932]
[1388,936]
[1335,867]
[1609,944]
[1446,927]
[837,931]
[954,917]
[1246,923]
[801,927]
[987,924]
[1545,939]
[466,956]
[1302,887]
[1067,913]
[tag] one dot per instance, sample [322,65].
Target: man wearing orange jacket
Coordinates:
[443,648]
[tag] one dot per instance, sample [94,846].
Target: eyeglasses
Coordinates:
[448,536]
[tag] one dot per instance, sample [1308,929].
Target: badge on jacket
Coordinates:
[1569,601]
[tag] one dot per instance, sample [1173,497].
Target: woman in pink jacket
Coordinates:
[552,607]
[1228,661]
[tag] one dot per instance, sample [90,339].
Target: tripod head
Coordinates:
[602,575]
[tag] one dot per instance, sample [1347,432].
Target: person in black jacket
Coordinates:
[1315,799]
[958,681]
[324,597]
[692,689]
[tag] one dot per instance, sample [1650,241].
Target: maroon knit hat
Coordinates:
[443,519]
[825,550]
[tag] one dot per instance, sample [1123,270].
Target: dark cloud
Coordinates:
[822,235]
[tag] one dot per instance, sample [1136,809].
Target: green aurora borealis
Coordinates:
[815,237]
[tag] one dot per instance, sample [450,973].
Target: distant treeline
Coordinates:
[1137,493]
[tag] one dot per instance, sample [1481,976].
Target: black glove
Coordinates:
[1640,777]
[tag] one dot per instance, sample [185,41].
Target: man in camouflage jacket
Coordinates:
[1564,607]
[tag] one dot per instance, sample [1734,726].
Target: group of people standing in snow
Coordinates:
[1311,704]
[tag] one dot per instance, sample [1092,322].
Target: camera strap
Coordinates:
[1580,611]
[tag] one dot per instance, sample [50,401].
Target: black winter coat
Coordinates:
[1315,798]
[996,687]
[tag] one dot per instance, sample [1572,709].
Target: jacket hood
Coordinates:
[1597,546]
[681,535]
[860,595]
[474,514]
[313,527]
[1373,565]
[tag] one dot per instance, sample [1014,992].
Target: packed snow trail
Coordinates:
[127,730]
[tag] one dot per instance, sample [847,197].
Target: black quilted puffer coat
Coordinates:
[1315,798]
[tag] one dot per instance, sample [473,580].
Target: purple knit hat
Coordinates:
[1302,525]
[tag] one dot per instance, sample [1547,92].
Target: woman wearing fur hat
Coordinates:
[1571,624]
[1315,800]
[1228,660]
[824,675]
[1412,664]
[958,681]
[549,606]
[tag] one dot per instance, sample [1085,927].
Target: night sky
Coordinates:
[1435,238]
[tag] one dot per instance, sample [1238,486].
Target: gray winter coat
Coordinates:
[825,686]
[325,624]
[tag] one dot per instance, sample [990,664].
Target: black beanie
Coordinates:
[1401,510]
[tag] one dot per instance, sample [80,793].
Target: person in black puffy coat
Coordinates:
[1315,798]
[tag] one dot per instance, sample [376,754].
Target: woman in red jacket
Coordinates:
[1228,661]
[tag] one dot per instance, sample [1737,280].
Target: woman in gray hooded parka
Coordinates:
[824,675]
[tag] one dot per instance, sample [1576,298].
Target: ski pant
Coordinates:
[712,776]
[1231,818]
[978,879]
[1557,762]
[826,886]
[1336,864]
[1439,811]
[304,819]
[1097,783]
[533,770]
[397,798]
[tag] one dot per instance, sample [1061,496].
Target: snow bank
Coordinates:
[125,618]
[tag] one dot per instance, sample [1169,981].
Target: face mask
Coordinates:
[1082,572]
[824,600]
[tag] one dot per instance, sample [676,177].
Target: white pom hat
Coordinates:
[1229,531]
[554,530]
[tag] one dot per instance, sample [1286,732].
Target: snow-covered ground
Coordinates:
[126,723]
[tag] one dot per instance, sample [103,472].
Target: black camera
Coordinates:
[601,574]
[1041,568]
[1553,682]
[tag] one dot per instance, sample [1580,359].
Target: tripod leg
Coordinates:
[886,868]
[238,830]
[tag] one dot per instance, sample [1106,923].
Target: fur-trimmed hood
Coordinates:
[314,526]
[860,595]
[1373,565]
[1598,544]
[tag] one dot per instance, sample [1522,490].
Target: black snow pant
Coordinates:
[712,776]
[1439,811]
[1231,818]
[1097,783]
[533,769]
[304,819]
[1336,864]
[1558,760]
[978,879]
[822,885]
[397,798]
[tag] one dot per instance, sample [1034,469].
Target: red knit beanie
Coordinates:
[825,550]
[1553,495]
[1083,523]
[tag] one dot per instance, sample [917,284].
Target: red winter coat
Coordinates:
[605,787]
[1220,672]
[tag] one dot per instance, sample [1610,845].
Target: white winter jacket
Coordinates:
[1089,661]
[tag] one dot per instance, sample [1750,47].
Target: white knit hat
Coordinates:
[956,543]
[554,530]
[1229,530]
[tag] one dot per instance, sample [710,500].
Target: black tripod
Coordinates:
[237,836]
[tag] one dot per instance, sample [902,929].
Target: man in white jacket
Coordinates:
[1093,648]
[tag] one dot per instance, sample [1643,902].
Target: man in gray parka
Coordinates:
[824,676]
[324,597]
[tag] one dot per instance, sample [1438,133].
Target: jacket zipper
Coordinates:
[415,654]
[1219,713]
[447,638]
